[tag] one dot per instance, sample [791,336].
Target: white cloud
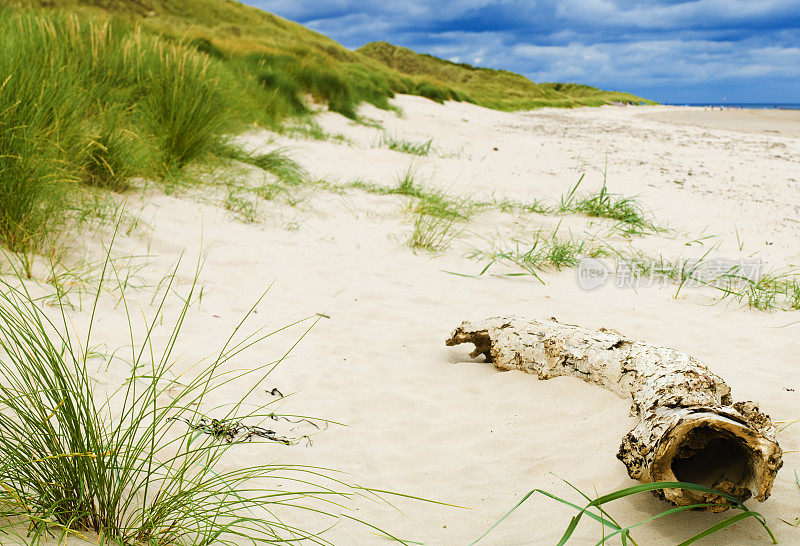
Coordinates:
[651,62]
[699,13]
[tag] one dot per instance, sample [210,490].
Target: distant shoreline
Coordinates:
[784,122]
[741,105]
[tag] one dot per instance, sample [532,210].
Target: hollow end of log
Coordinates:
[718,452]
[689,428]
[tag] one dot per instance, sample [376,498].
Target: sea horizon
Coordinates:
[745,105]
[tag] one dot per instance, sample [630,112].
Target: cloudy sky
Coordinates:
[668,50]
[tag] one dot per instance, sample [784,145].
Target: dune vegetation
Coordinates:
[88,105]
[499,89]
[103,92]
[286,58]
[95,93]
[126,467]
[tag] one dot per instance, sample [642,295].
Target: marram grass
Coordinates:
[76,459]
[94,104]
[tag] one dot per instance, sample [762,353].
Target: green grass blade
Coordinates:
[730,521]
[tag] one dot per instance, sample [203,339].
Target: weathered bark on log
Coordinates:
[689,429]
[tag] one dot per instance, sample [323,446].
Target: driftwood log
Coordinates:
[689,428]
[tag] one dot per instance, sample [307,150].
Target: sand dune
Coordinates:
[427,420]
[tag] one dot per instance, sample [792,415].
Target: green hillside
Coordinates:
[373,73]
[499,89]
[232,24]
[95,93]
[292,59]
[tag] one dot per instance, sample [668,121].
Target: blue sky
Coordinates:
[670,50]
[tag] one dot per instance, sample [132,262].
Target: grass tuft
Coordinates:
[241,206]
[631,216]
[185,106]
[121,463]
[398,144]
[432,233]
[772,290]
[542,252]
[277,162]
[116,153]
[526,207]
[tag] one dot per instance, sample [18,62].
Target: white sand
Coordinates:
[426,420]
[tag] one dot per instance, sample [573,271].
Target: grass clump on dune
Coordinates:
[34,181]
[771,291]
[426,200]
[116,153]
[741,281]
[439,93]
[397,144]
[432,233]
[287,79]
[281,164]
[341,86]
[87,104]
[77,456]
[767,291]
[289,175]
[277,162]
[628,212]
[185,105]
[435,214]
[241,206]
[540,252]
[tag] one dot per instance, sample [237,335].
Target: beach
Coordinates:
[413,416]
[769,121]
